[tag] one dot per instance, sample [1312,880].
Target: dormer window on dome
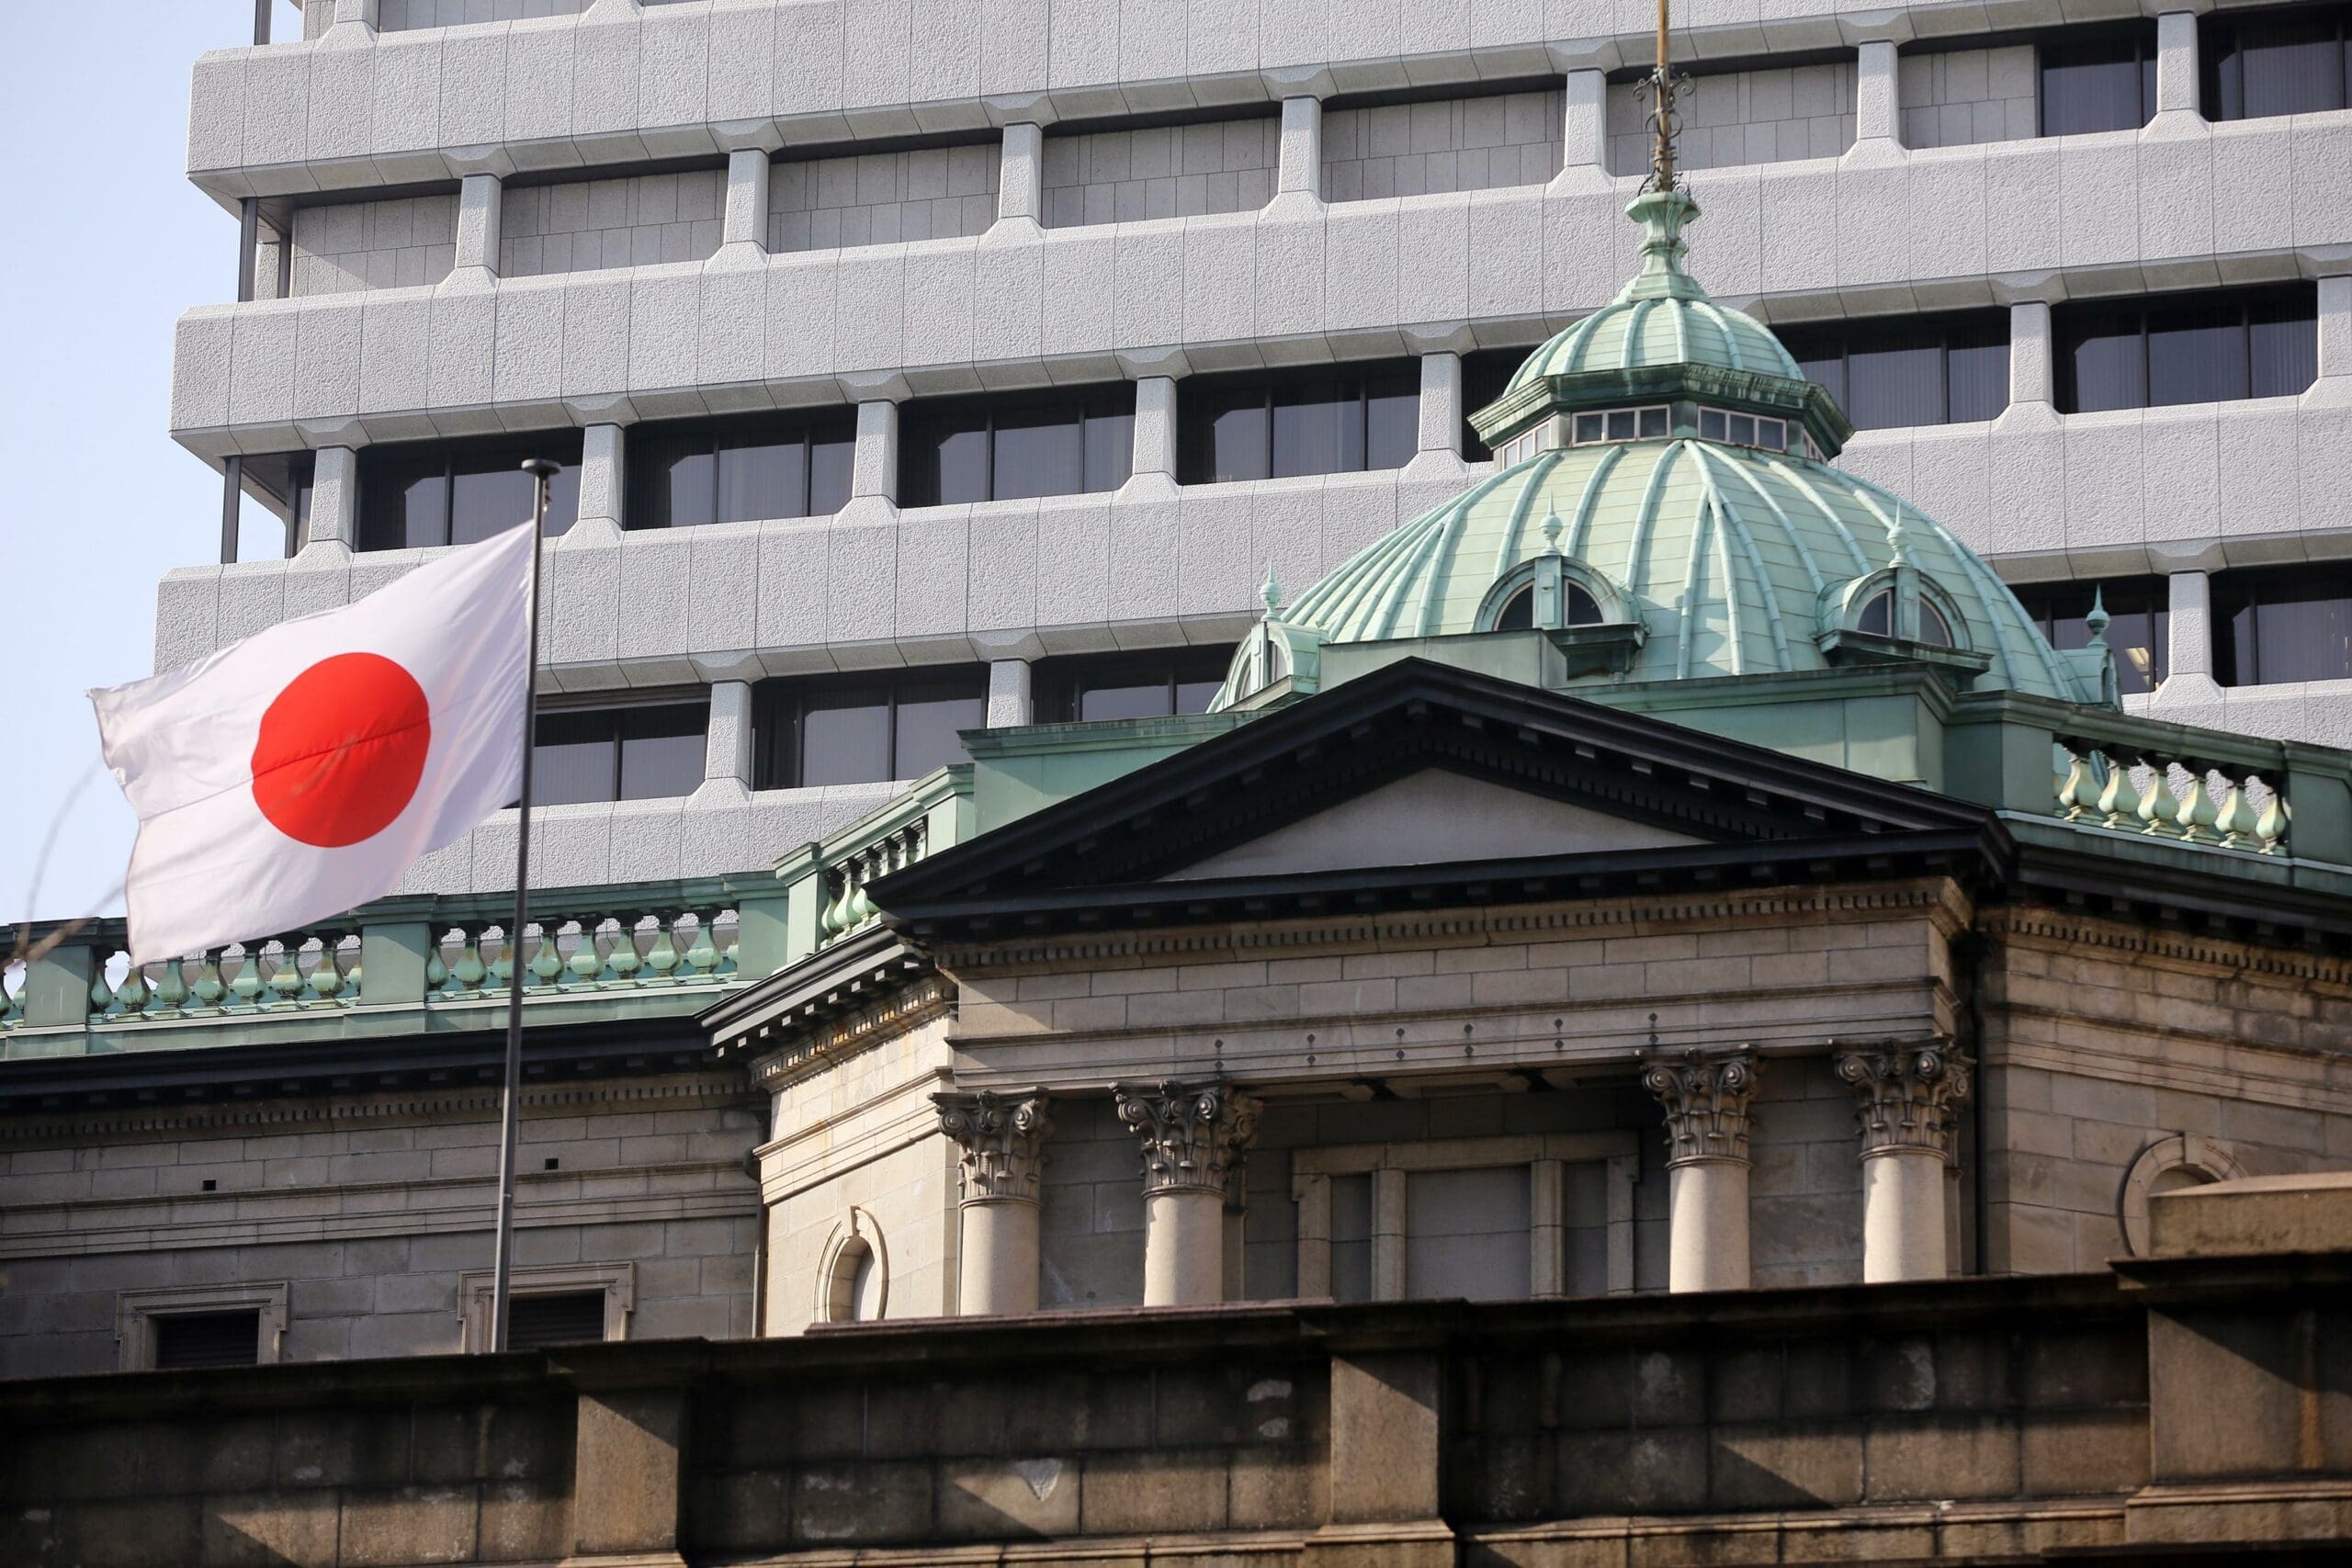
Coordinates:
[1897,612]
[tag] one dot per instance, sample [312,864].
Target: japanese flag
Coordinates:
[300,772]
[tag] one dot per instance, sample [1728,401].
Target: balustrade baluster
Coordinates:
[2118,802]
[469,971]
[702,958]
[2076,790]
[101,994]
[326,976]
[131,996]
[2158,809]
[624,961]
[2198,813]
[2271,826]
[546,958]
[209,992]
[2234,822]
[661,957]
[171,989]
[436,966]
[247,985]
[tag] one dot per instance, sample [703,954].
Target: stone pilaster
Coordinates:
[1195,1137]
[1907,1102]
[1002,1138]
[1705,1095]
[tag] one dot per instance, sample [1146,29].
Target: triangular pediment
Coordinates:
[1434,817]
[1417,782]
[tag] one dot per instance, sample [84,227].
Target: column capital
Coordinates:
[1195,1135]
[1908,1096]
[1705,1094]
[1003,1139]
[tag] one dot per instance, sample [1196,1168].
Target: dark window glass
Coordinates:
[738,471]
[2219,346]
[1519,614]
[559,1317]
[2098,83]
[643,751]
[208,1340]
[286,479]
[2139,622]
[1892,373]
[1128,686]
[2261,65]
[864,728]
[1486,375]
[461,491]
[1004,449]
[1584,610]
[1280,426]
[2293,624]
[661,751]
[1878,616]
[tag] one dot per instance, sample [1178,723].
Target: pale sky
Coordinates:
[112,243]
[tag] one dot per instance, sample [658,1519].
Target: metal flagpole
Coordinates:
[510,1098]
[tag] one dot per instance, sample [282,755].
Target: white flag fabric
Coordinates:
[300,772]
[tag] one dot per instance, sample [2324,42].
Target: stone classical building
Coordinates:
[1621,996]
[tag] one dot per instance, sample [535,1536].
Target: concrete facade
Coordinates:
[949,257]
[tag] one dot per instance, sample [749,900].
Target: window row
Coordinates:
[2271,625]
[844,729]
[1885,373]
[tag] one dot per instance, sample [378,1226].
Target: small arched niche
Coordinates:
[2169,1165]
[853,1279]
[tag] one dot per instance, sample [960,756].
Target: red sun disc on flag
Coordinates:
[341,750]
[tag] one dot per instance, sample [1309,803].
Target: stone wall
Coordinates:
[2006,1418]
[1736,117]
[342,247]
[1174,171]
[1962,96]
[2104,1043]
[881,198]
[1470,143]
[584,225]
[398,15]
[369,1209]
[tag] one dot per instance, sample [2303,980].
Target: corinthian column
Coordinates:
[1705,1095]
[1003,1139]
[1907,1100]
[1195,1137]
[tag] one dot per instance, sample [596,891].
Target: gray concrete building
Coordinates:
[1181,674]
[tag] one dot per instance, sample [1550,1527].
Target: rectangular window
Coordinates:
[2103,82]
[1079,443]
[1486,374]
[738,471]
[2292,62]
[2194,348]
[864,728]
[208,1340]
[1351,420]
[642,751]
[286,479]
[1137,686]
[1352,1238]
[1887,374]
[457,493]
[554,1317]
[2139,624]
[2288,624]
[1467,1233]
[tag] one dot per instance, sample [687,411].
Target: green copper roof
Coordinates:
[1661,317]
[1723,554]
[1705,557]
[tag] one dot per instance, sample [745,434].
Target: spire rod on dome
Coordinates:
[1663,87]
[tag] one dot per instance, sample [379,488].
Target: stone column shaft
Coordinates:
[1706,1097]
[1155,431]
[2032,362]
[1441,405]
[1908,1099]
[2188,630]
[1002,1138]
[1010,698]
[1878,108]
[335,502]
[2176,65]
[2336,326]
[1302,148]
[1020,180]
[748,174]
[727,741]
[1585,124]
[1194,1137]
[874,471]
[481,206]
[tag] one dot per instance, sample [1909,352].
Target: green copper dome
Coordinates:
[1664,508]
[1662,317]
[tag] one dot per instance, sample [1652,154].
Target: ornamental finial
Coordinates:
[2096,621]
[1272,592]
[1551,527]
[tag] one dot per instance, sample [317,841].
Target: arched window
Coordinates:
[1518,609]
[1934,630]
[1878,616]
[853,1283]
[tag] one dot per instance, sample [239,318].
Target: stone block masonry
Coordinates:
[1177,170]
[1470,143]
[1969,1417]
[881,198]
[584,225]
[342,247]
[1963,96]
[1743,117]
